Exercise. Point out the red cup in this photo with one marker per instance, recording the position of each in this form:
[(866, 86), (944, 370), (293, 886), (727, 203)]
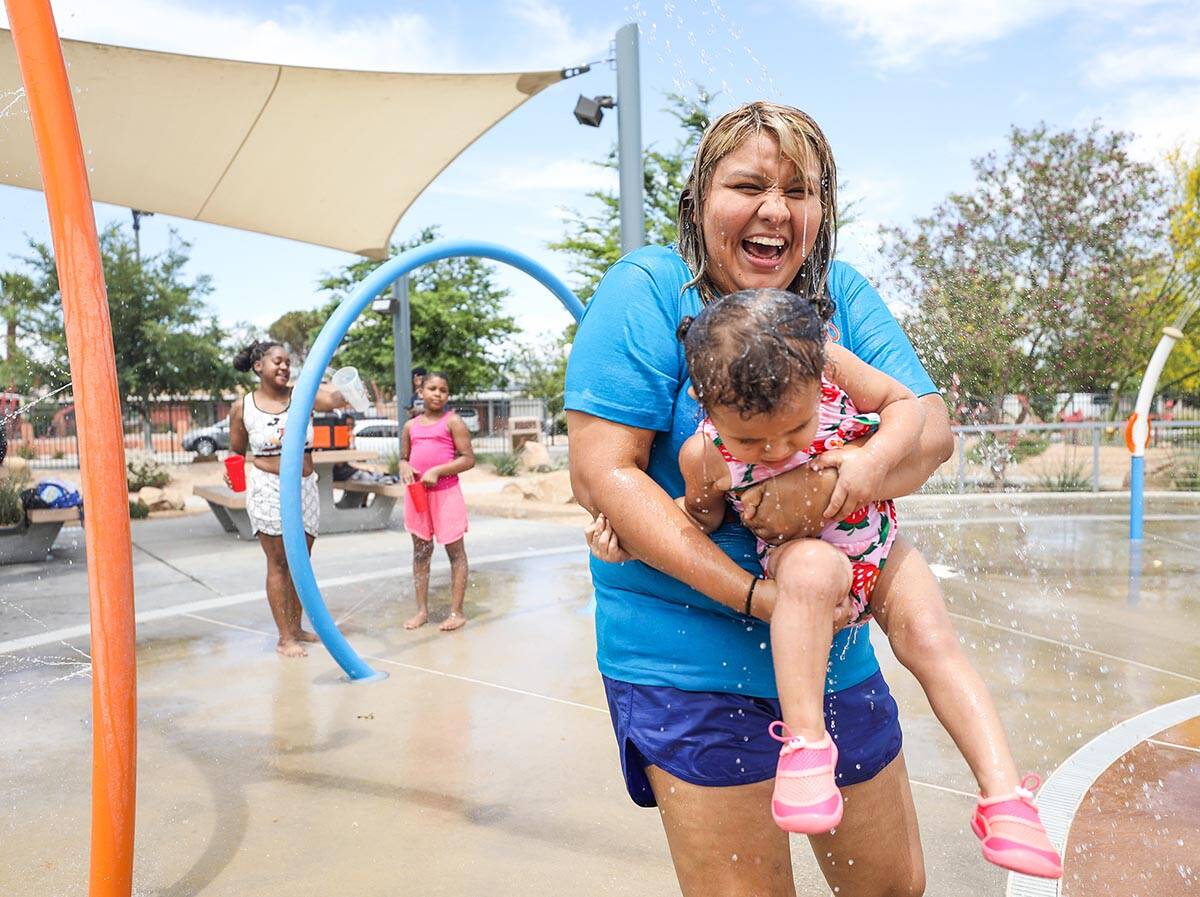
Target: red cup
[(416, 494), (235, 466)]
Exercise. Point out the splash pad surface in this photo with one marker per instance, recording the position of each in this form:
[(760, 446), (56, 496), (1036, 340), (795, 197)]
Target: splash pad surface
[(486, 760)]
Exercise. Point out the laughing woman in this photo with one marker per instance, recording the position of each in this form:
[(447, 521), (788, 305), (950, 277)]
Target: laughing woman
[(682, 634)]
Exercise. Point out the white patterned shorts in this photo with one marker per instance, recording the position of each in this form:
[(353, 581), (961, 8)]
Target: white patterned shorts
[(262, 502)]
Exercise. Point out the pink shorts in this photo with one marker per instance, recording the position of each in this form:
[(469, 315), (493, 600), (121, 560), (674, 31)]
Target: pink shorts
[(446, 519)]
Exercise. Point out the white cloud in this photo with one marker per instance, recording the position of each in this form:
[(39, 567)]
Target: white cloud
[(296, 36), (905, 31)]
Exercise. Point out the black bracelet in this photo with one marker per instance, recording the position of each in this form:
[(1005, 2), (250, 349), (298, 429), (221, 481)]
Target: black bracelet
[(750, 596)]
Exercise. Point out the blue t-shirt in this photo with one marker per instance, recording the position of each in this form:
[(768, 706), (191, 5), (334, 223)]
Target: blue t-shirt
[(627, 366)]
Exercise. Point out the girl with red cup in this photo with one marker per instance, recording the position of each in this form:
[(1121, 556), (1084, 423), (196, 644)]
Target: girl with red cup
[(435, 449)]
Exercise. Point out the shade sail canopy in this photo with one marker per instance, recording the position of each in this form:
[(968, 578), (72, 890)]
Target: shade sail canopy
[(324, 156)]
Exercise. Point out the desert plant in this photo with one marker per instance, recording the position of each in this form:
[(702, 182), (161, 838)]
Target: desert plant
[(25, 450), (1070, 477), (392, 462), (1183, 469), (12, 511), (505, 464), (144, 470), (138, 510)]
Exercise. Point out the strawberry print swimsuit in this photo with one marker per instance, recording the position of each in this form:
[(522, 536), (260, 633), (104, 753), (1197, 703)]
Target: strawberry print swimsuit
[(866, 536)]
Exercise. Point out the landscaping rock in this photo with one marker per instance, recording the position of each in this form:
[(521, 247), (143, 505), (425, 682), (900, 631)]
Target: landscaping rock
[(535, 456)]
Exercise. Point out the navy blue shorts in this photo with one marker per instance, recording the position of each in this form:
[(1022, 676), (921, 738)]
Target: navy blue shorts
[(709, 738)]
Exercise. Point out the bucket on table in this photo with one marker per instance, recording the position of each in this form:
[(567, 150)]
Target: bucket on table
[(349, 384), (416, 494), (235, 466)]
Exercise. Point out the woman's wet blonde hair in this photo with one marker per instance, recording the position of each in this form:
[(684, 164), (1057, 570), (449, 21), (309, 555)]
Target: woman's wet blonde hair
[(802, 142)]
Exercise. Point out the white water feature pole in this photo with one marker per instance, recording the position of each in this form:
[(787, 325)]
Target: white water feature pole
[(629, 139), (1137, 431)]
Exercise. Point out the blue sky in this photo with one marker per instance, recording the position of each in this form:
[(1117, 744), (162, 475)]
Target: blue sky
[(909, 91)]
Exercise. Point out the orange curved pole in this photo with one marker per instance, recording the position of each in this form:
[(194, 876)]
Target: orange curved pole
[(101, 443)]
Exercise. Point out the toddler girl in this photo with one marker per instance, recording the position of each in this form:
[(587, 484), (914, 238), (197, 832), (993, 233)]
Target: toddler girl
[(777, 396), (435, 448)]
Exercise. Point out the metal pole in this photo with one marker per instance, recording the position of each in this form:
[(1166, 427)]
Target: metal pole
[(1096, 458), (962, 464), (402, 354), (629, 139)]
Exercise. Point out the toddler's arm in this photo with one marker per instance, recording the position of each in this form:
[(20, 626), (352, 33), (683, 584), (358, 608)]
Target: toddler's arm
[(901, 417), (705, 480)]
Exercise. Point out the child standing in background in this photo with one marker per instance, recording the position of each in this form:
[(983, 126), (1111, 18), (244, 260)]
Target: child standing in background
[(435, 449)]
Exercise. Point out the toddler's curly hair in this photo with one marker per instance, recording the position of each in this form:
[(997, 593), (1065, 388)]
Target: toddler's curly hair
[(747, 350)]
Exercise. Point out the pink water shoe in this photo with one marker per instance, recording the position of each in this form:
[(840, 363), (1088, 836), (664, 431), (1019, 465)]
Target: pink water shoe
[(806, 799), (1013, 835)]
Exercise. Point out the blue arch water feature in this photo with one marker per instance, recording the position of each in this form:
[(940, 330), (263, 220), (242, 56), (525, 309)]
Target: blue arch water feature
[(305, 393)]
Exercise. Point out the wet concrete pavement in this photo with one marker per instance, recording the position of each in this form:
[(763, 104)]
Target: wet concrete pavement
[(485, 762)]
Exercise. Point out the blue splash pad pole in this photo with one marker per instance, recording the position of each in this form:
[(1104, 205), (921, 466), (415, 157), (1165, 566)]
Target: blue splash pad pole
[(305, 393)]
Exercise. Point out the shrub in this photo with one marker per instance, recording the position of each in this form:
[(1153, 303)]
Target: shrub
[(144, 470), (25, 450), (12, 511), (1069, 477), (1183, 469), (506, 464), (138, 510), (393, 464)]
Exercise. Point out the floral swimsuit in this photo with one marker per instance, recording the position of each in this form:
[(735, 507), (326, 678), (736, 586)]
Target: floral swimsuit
[(867, 535)]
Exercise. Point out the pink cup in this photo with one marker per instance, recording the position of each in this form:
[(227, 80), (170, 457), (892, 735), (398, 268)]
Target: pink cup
[(235, 466)]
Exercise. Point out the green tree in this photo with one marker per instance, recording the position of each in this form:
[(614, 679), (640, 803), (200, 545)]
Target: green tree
[(458, 325), (20, 305), (593, 242), (1182, 372), (296, 330), (538, 370), (167, 341), (1044, 277)]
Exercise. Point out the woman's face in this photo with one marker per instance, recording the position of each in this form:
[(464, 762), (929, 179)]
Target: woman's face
[(435, 393), (275, 367), (760, 218)]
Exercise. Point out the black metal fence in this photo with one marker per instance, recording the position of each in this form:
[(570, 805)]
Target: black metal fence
[(174, 431)]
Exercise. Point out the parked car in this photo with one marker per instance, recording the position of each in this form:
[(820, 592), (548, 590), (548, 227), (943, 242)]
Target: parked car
[(207, 440), (377, 434), (470, 417)]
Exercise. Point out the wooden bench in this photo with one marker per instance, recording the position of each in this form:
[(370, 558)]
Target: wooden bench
[(355, 511), (30, 543)]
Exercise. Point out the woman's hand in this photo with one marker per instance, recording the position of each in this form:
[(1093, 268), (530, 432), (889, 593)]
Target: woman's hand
[(860, 480), (788, 506), (430, 477), (228, 482), (602, 541), (406, 472)]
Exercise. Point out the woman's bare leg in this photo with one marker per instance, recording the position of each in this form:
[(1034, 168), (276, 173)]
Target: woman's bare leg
[(302, 634), (812, 577), (285, 607), (908, 605), (876, 850), (422, 556), (723, 841)]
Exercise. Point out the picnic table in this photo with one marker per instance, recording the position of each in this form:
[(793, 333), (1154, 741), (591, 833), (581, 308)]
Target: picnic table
[(362, 506)]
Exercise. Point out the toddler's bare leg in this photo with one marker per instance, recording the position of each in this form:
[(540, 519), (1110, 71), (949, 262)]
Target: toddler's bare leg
[(908, 605), (812, 576)]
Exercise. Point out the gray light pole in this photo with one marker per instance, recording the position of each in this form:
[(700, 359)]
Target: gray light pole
[(629, 139), (402, 340)]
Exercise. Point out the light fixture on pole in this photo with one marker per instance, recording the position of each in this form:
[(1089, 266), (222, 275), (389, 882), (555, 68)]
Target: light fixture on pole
[(590, 110)]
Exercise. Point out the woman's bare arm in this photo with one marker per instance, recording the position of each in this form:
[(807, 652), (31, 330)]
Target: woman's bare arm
[(239, 438), (791, 505), (328, 399), (608, 475)]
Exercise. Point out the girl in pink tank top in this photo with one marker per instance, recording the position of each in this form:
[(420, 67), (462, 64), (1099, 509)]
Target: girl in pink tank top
[(436, 448)]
